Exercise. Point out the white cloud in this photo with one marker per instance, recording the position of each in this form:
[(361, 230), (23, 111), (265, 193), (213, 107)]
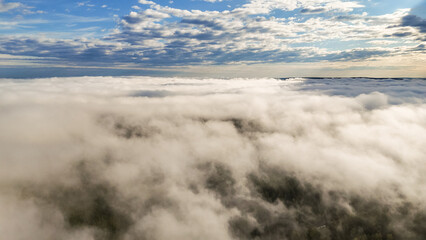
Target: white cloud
[(147, 2), (225, 36), (4, 7), (265, 6), (161, 158)]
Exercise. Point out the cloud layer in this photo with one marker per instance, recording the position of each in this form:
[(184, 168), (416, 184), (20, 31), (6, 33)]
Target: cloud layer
[(259, 31), (162, 158)]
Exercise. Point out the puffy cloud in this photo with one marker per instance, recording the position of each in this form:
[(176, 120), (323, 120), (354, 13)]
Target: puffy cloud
[(161, 158), (147, 2), (157, 35), (264, 6), (236, 36)]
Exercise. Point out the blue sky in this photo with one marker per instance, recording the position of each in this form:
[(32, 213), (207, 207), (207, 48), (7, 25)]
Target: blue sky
[(223, 38)]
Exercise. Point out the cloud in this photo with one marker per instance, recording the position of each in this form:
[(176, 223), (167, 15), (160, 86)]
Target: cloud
[(161, 158), (147, 52), (264, 7), (395, 91), (155, 35), (414, 21), (5, 7), (312, 11), (236, 36), (357, 54), (147, 2)]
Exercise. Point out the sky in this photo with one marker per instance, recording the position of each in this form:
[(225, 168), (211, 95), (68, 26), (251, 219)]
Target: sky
[(213, 38)]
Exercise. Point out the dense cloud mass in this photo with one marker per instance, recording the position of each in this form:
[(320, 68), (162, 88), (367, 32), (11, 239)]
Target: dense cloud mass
[(167, 158)]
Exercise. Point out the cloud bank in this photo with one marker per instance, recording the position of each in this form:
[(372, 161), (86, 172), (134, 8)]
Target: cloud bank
[(167, 158)]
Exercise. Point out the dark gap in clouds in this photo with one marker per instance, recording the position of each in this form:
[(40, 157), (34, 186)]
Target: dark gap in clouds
[(245, 127), (90, 203), (219, 179), (153, 93), (315, 214), (274, 185), (242, 228), (126, 128)]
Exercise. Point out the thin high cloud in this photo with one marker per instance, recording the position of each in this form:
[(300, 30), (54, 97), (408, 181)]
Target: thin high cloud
[(161, 158), (159, 35), (4, 7)]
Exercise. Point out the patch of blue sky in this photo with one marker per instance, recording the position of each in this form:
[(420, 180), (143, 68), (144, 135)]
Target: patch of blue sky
[(278, 13), (65, 16), (62, 23), (419, 10), (379, 7)]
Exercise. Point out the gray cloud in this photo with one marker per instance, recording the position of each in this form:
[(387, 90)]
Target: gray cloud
[(176, 52), (356, 54), (391, 90), (313, 11), (414, 21), (162, 158)]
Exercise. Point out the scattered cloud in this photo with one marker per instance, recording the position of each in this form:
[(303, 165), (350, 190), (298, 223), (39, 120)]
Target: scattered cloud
[(158, 35), (266, 6)]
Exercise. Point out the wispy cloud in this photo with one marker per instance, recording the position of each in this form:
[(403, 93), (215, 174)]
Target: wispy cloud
[(75, 18), (4, 7)]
